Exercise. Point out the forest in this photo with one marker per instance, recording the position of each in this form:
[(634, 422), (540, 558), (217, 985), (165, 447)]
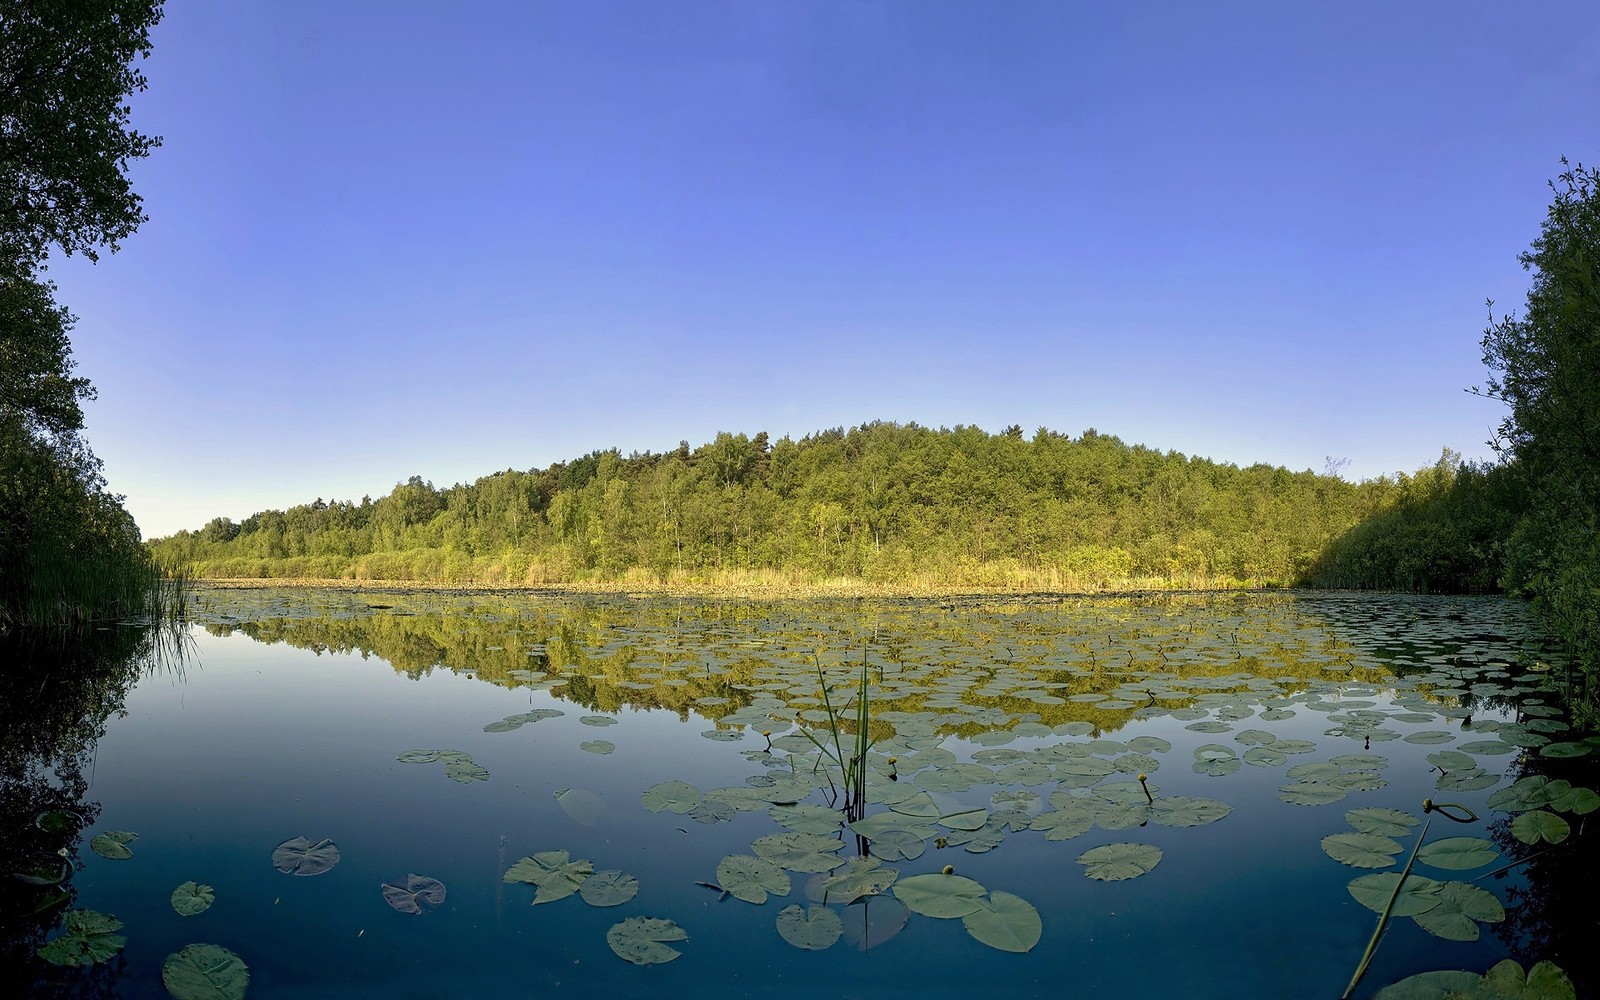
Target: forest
[(893, 506)]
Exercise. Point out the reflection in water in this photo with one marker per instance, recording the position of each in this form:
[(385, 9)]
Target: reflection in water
[(57, 692)]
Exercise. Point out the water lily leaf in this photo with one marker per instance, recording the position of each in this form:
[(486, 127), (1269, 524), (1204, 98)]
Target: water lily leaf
[(1265, 757), (1441, 985), (1527, 793), (301, 857), (464, 769), (1532, 827), (807, 818), (1419, 895), (582, 805), (673, 796), (939, 895), (639, 940), (1467, 781), (1459, 909), (1487, 747), (598, 720), (712, 811), (418, 757), (750, 879), (91, 937), (800, 852), (1311, 793), (1458, 853), (812, 927), (1358, 781), (1544, 981), (1066, 822), (1361, 850), (1115, 862), (1578, 801), (608, 888), (1004, 921), (189, 899), (597, 746), (861, 877), (205, 972), (413, 892), (1428, 736), (1383, 822), (878, 824), (552, 872), (1187, 810), (1320, 770), (113, 844)]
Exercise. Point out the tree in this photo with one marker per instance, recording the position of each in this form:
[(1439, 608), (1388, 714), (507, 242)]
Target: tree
[(66, 71), (1545, 366)]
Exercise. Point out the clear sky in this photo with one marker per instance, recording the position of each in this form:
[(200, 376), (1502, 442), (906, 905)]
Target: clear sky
[(445, 239)]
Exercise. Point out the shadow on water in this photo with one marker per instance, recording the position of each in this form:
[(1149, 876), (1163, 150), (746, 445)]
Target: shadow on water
[(57, 693)]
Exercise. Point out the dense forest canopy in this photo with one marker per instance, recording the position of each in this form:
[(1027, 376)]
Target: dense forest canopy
[(898, 505)]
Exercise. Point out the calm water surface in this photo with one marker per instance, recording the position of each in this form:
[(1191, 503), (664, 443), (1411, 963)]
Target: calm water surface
[(291, 710)]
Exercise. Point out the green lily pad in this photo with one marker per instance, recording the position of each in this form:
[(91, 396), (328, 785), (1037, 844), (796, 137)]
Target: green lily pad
[(640, 940), (598, 720), (1440, 985), (608, 888), (1419, 895), (552, 872), (189, 899), (1265, 757), (1539, 825), (113, 844), (418, 757), (300, 856), (940, 895), (1458, 853), (807, 818), (1460, 908), (1545, 981), (1311, 793), (205, 972), (597, 746), (860, 877), (1115, 862), (750, 879), (1575, 800), (1004, 921), (673, 796), (91, 937), (1361, 850), (1563, 750), (1064, 823), (799, 852), (1187, 810), (811, 927), (411, 894), (1527, 793)]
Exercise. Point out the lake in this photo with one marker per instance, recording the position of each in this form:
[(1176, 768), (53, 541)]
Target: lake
[(441, 795)]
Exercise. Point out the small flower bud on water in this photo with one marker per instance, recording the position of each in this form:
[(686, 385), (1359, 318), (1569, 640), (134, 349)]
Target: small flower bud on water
[(949, 869)]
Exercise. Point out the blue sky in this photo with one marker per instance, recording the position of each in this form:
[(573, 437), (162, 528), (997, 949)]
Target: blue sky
[(446, 239)]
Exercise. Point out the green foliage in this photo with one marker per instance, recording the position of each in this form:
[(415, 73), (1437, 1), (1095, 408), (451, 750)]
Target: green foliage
[(1545, 366)]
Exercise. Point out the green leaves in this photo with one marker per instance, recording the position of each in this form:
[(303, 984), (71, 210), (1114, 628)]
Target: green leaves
[(1361, 850), (939, 895), (1539, 825), (1116, 862), (811, 928), (608, 888), (1458, 853), (673, 796), (113, 844), (189, 899), (413, 893), (300, 856), (552, 872), (1004, 921), (750, 879), (641, 940), (205, 972), (90, 938)]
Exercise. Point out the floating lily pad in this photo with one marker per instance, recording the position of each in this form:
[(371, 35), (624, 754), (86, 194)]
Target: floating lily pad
[(750, 879), (608, 888), (1459, 909), (1458, 853), (418, 757), (1419, 895), (1311, 793), (1361, 850), (1006, 922), (640, 940), (205, 972), (673, 796), (597, 746), (189, 899), (1438, 985), (302, 857), (598, 720), (1064, 823), (1539, 825), (1383, 822), (940, 895), (113, 844), (1545, 981), (413, 893), (91, 937), (807, 818), (859, 877), (1116, 862), (811, 927), (1187, 810), (552, 872), (1575, 800), (800, 852)]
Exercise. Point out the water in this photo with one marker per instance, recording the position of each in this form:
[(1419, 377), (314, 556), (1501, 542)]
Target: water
[(288, 715)]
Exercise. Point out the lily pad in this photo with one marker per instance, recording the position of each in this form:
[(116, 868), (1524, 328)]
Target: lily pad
[(113, 844), (673, 796), (1116, 862), (205, 972), (1460, 908), (1539, 825), (860, 877), (302, 857), (750, 879), (1419, 894), (1004, 921), (1311, 793), (1440, 985), (189, 899), (1187, 810), (1458, 853), (555, 875), (807, 818), (640, 940), (412, 894), (1361, 850), (91, 937), (1064, 823), (597, 746), (940, 895), (608, 888), (800, 852), (1545, 981), (811, 927)]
